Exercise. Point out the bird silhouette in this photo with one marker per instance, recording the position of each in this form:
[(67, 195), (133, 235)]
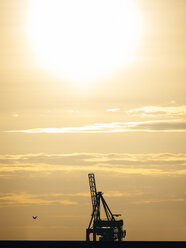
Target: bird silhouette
[(34, 217)]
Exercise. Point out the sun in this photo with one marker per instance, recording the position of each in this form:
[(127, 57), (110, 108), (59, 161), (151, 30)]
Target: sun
[(83, 40)]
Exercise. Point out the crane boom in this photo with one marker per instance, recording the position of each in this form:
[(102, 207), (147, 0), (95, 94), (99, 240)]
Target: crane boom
[(93, 192)]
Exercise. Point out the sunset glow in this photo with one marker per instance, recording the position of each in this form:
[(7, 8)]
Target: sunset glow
[(92, 86), (84, 40)]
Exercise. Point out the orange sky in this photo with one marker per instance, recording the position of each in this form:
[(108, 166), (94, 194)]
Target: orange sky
[(68, 109)]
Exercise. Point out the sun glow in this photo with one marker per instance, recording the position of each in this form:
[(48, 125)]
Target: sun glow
[(83, 40)]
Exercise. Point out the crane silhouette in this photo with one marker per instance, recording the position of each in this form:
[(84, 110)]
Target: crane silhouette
[(109, 228)]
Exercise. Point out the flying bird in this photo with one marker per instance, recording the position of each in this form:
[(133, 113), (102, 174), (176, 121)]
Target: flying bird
[(34, 217)]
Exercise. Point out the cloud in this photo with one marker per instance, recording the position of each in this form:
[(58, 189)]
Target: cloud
[(163, 119), (158, 200), (120, 194), (7, 199), (122, 163), (159, 111), (115, 127), (113, 110), (27, 199)]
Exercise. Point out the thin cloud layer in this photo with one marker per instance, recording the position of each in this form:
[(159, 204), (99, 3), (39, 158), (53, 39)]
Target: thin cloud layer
[(159, 111), (113, 110), (115, 127), (48, 199), (26, 199), (158, 200), (142, 164)]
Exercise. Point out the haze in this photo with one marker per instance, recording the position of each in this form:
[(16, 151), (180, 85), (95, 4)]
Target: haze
[(123, 119)]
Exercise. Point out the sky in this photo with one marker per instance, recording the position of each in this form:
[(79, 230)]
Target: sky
[(92, 87)]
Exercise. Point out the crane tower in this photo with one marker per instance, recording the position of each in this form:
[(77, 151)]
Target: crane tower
[(108, 229)]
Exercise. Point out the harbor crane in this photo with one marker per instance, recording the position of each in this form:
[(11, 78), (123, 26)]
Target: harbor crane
[(109, 228)]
